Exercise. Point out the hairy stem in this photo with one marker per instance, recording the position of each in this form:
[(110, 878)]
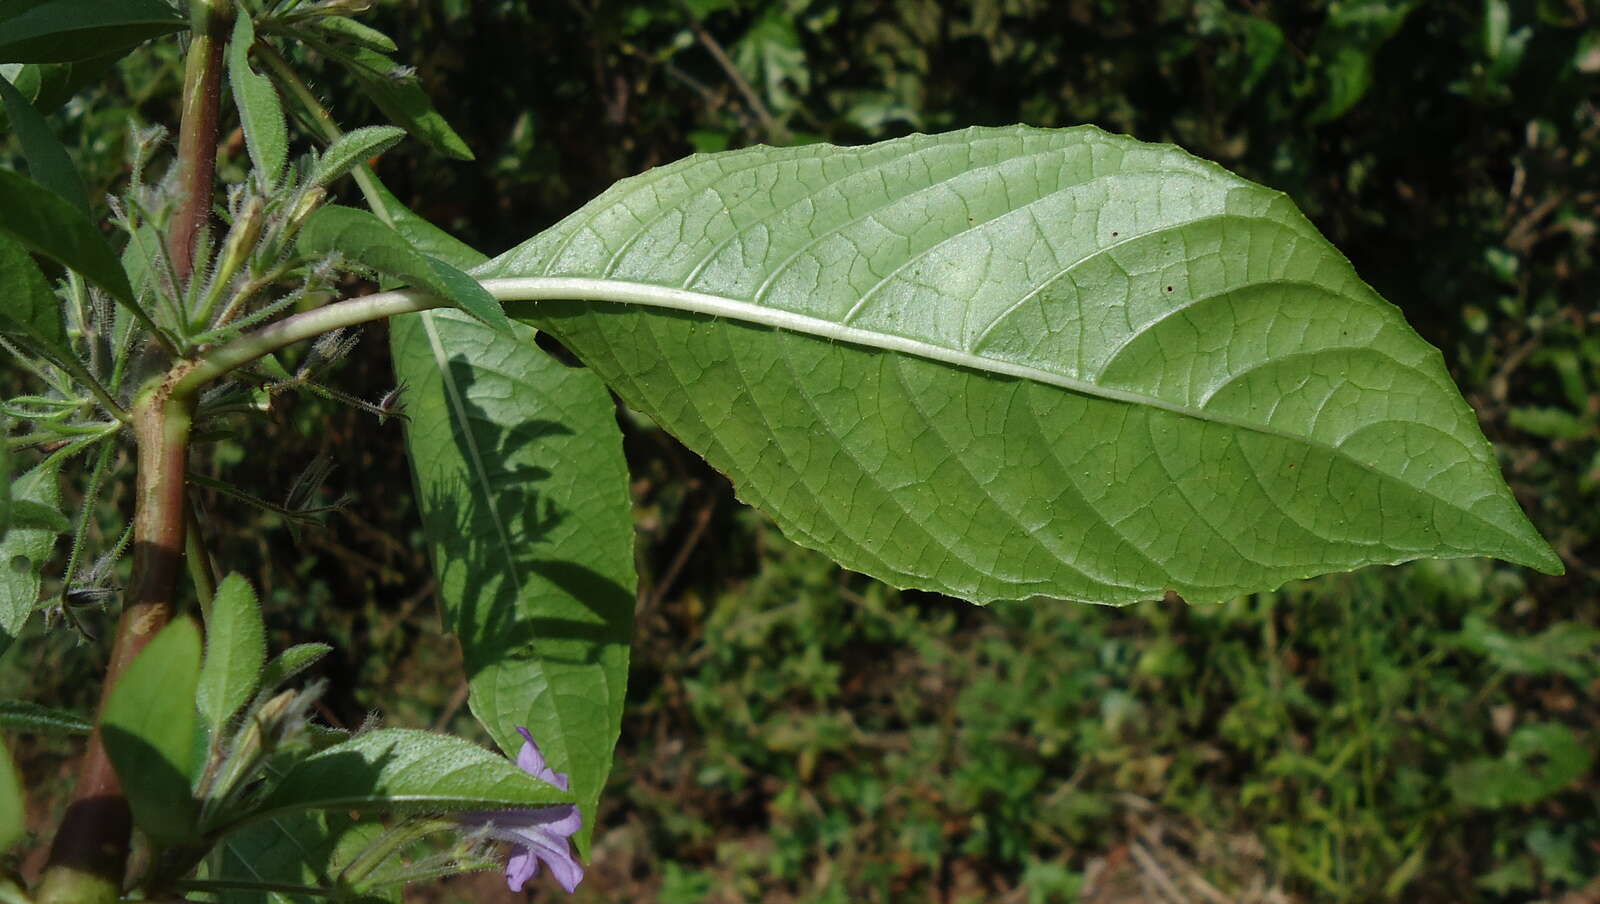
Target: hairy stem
[(210, 21), (90, 853)]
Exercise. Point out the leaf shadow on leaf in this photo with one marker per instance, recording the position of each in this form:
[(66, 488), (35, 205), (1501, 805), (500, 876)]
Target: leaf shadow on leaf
[(518, 596), (157, 789)]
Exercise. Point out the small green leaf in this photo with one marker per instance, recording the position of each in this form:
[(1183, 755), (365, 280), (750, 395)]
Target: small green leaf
[(353, 148), (426, 237), (306, 849), (48, 162), (469, 296), (266, 133), (290, 663), (149, 728), (1566, 647), (365, 239), (64, 30), (341, 28), (236, 650), (1540, 760), (13, 806), (31, 311), (38, 516), (403, 770), (20, 715), (24, 551), (48, 224), (400, 98)]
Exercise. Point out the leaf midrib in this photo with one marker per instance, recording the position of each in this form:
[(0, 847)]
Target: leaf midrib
[(507, 289)]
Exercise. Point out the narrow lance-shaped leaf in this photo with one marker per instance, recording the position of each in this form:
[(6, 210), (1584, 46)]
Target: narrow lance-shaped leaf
[(24, 551), (365, 239), (524, 495), (44, 222), (1015, 363), (405, 771), (351, 149), (266, 133), (398, 95), (148, 724), (48, 162), (236, 650), (20, 715), (63, 30)]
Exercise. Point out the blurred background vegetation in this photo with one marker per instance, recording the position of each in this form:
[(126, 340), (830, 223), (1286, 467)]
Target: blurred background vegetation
[(800, 734)]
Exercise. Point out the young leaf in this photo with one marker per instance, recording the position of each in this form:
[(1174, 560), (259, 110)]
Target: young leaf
[(1015, 363), (31, 310), (13, 806), (290, 663), (24, 551), (341, 28), (64, 30), (236, 650), (46, 223), (266, 133), (148, 724), (48, 162), (19, 715), (524, 496), (401, 770), (364, 238), (400, 98), (351, 149)]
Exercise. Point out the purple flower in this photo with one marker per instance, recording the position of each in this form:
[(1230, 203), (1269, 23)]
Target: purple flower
[(540, 832)]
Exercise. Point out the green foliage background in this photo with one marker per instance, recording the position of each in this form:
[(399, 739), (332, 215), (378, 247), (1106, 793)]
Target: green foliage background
[(796, 733)]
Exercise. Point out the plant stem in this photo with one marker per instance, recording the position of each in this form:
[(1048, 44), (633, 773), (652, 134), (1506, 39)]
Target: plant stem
[(89, 856), (210, 22)]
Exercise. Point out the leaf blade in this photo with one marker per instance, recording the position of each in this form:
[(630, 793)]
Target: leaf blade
[(24, 551), (47, 158), (266, 131), (1149, 303), (149, 729), (61, 31), (44, 222), (399, 770), (524, 498), (236, 652)]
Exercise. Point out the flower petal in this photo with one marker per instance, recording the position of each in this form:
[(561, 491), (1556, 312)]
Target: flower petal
[(531, 760)]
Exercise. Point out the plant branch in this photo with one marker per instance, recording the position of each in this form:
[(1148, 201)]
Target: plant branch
[(89, 856), (309, 325), (210, 22)]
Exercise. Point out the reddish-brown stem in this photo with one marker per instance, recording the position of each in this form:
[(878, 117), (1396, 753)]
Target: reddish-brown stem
[(89, 856), (91, 847), (210, 22)]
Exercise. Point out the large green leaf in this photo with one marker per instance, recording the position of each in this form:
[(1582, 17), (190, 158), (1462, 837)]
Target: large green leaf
[(402, 770), (1013, 363), (148, 725), (63, 30), (23, 553), (45, 222), (524, 495), (47, 158)]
